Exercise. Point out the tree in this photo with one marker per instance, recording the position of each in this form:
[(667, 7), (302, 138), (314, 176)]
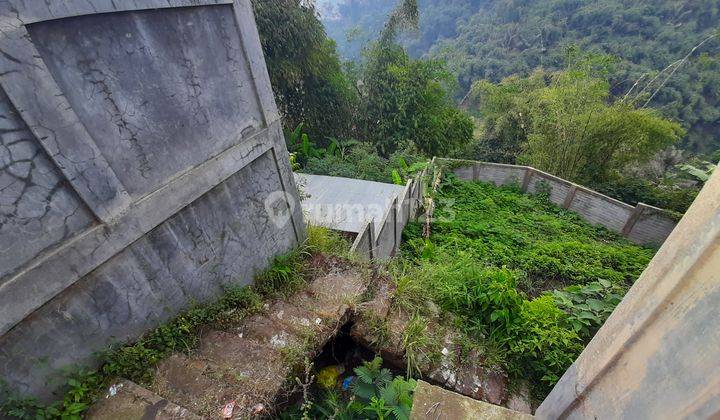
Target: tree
[(307, 78), (566, 123), (406, 102)]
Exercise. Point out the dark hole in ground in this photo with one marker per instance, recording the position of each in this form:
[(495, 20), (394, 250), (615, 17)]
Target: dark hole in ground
[(336, 359), (342, 351)]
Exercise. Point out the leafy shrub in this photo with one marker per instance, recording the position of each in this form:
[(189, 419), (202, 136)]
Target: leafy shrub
[(588, 306), (492, 250), (382, 394), (633, 190), (361, 161), (486, 294), (540, 343)]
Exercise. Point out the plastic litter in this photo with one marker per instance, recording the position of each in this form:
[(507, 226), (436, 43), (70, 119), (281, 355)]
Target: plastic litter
[(258, 409), (328, 376), (227, 411), (114, 390), (346, 382)]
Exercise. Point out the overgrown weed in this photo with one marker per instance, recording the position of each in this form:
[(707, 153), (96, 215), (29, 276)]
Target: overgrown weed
[(528, 283)]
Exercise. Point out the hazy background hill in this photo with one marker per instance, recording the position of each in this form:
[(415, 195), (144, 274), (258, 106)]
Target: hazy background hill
[(492, 39)]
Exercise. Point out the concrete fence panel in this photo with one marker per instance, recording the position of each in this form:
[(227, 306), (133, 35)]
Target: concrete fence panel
[(601, 210), (652, 225), (641, 224), (558, 188), (498, 174), (403, 210), (363, 244)]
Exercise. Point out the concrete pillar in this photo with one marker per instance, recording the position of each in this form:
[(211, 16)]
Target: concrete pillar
[(526, 179)]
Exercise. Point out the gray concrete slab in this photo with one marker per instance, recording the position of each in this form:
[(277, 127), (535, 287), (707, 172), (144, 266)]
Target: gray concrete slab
[(345, 204)]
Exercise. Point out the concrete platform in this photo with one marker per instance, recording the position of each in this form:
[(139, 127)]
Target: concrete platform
[(345, 204), (435, 403)]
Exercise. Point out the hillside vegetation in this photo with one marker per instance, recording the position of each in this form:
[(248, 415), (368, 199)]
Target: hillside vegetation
[(528, 283), (493, 39)]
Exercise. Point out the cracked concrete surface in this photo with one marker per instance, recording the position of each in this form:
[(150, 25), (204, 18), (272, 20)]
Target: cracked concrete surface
[(219, 240), (38, 209), (158, 90)]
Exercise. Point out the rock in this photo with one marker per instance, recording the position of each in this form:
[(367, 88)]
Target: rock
[(393, 351), (372, 314), (468, 375), (520, 400)]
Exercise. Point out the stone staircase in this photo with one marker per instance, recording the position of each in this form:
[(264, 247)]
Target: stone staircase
[(248, 365)]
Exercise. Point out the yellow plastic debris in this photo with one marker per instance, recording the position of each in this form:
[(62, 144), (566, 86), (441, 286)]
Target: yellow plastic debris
[(328, 376)]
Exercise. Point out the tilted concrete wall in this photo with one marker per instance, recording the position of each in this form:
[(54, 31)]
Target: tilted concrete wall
[(642, 224), (658, 354), (385, 242), (363, 244), (142, 168)]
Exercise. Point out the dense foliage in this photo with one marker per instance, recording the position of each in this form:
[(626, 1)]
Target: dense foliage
[(566, 123), (307, 78), (405, 103), (388, 100), (493, 39), (372, 393), (532, 280)]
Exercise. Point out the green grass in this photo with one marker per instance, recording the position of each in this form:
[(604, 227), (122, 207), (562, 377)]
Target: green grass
[(521, 276), (136, 361)]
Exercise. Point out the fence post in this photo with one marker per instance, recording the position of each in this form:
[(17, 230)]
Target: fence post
[(637, 212), (476, 171), (371, 226), (526, 179), (570, 196)]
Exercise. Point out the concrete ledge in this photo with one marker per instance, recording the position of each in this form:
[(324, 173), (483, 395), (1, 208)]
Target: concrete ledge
[(435, 403)]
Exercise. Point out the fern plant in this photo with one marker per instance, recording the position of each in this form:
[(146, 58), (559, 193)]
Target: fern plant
[(382, 395), (371, 376)]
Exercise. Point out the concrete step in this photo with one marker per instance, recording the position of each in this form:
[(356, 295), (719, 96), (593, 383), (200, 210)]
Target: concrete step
[(249, 364), (435, 403), (127, 400), (332, 296), (262, 369), (199, 385)]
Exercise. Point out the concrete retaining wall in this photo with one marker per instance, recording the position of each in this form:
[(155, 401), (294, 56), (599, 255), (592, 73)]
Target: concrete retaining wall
[(642, 224), (142, 168)]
